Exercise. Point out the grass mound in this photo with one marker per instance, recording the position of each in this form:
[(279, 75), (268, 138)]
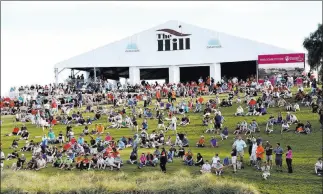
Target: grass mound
[(98, 182)]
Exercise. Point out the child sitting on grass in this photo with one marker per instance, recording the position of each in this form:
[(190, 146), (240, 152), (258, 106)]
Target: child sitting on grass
[(265, 170)]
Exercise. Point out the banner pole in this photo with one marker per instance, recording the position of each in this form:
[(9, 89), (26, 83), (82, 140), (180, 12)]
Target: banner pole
[(257, 71)]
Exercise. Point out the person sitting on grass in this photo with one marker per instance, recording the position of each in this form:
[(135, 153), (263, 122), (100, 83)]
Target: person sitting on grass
[(188, 158), (154, 161), (201, 142), (318, 167), (237, 130), (269, 126), (279, 119), (218, 168), (300, 128), (250, 129), (239, 111), (132, 158), (109, 162), (308, 127), (215, 159), (181, 152), (86, 130), (199, 160), (213, 142), (67, 163), (144, 125), (285, 127), (15, 131), (121, 145), (185, 142), (224, 134), (24, 135), (206, 167), (265, 170), (185, 121), (142, 161), (14, 144), (291, 118), (58, 162)]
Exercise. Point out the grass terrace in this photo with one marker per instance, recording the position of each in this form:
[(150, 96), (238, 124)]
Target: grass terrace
[(179, 178)]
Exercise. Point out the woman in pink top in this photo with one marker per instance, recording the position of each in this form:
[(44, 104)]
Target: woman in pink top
[(289, 156), (142, 160)]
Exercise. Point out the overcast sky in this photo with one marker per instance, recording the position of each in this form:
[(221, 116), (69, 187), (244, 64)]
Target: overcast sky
[(36, 35)]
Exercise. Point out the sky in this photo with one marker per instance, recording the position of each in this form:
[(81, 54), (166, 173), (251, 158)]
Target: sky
[(37, 35)]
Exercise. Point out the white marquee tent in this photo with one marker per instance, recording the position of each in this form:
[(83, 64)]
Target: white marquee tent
[(147, 50)]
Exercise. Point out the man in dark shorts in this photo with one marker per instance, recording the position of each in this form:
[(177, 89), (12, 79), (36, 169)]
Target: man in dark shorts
[(279, 157), (269, 154), (217, 123)]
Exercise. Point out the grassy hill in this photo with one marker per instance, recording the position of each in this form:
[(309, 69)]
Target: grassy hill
[(179, 178)]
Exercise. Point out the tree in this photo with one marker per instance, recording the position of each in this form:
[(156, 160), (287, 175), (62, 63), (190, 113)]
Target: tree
[(314, 46)]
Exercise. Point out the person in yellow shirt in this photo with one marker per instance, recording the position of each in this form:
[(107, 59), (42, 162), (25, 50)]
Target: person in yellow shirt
[(100, 128), (79, 160), (173, 96)]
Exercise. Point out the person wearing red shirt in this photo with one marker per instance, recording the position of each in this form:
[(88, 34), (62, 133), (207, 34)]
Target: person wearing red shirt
[(15, 131), (158, 95), (85, 164)]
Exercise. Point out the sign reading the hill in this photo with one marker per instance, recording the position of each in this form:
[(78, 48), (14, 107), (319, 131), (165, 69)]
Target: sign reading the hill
[(171, 40)]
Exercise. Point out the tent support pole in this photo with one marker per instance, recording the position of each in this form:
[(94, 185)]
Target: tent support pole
[(56, 76), (94, 74)]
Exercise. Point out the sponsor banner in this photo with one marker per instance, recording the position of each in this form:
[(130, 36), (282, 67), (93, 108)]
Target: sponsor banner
[(281, 66), (281, 58)]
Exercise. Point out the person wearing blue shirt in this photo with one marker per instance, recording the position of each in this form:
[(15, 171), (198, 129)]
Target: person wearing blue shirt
[(51, 136), (97, 139), (80, 140), (225, 133), (121, 145), (240, 145), (217, 123)]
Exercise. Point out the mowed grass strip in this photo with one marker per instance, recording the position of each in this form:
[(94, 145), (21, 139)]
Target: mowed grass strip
[(306, 150)]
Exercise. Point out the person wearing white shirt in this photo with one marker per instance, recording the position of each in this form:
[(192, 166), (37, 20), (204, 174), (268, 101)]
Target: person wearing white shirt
[(234, 80), (109, 161), (318, 167), (2, 158), (200, 80), (253, 157), (215, 159), (239, 111), (206, 167), (285, 127), (174, 120)]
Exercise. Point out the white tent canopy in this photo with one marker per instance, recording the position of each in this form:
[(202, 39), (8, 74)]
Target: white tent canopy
[(228, 49)]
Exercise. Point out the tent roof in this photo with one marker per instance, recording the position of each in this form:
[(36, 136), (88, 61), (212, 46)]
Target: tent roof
[(231, 49)]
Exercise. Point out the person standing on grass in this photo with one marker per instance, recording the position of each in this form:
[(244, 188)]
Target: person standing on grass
[(289, 157), (163, 160), (260, 155), (240, 145), (161, 121), (321, 117), (279, 158), (269, 154), (319, 167), (234, 159)]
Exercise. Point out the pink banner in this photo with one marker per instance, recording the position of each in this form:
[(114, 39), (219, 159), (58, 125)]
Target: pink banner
[(281, 58)]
